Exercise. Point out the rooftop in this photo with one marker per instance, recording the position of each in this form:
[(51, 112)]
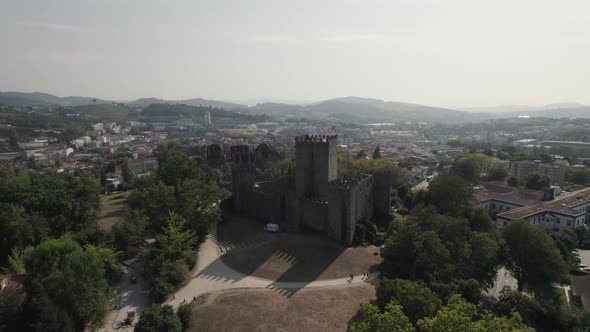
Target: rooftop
[(562, 205)]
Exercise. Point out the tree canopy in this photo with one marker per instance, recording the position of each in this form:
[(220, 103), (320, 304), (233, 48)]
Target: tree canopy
[(377, 153), (470, 165), (456, 315), (450, 193), (34, 206), (441, 251), (417, 301), (70, 285), (158, 318), (460, 315), (533, 257), (537, 181), (391, 319)]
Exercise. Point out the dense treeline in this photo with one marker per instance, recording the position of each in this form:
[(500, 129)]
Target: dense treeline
[(48, 233), (37, 123), (36, 206), (446, 251), (181, 206), (196, 112), (69, 286)]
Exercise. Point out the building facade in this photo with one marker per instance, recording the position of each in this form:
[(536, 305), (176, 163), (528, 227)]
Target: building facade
[(540, 208), (555, 172)]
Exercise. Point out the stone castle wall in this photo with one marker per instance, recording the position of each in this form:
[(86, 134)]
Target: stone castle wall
[(313, 197)]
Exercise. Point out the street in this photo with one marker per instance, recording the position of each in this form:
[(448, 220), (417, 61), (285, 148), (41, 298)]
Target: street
[(503, 279), (424, 184)]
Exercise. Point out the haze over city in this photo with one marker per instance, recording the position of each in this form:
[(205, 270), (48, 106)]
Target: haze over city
[(453, 54), (313, 165)]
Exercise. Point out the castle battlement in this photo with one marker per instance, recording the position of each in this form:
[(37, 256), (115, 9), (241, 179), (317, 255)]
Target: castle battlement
[(244, 166), (304, 139), (347, 182), (315, 200), (311, 197)]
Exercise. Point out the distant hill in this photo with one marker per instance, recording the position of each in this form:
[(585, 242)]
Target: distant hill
[(44, 99), (347, 109), (106, 112), (364, 110), (521, 108), (562, 112), (143, 102)]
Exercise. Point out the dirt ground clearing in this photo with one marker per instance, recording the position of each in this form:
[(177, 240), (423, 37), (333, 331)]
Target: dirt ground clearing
[(310, 309), (286, 257)]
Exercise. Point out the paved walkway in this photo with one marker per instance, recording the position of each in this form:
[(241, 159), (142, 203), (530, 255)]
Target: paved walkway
[(211, 274), (128, 297)]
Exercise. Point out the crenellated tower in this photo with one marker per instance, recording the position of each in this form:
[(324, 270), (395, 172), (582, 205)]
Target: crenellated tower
[(315, 164)]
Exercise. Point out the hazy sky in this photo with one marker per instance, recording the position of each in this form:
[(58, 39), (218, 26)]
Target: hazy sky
[(450, 53)]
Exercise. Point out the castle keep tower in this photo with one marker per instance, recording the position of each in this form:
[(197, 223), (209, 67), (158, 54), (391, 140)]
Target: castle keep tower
[(313, 198), (315, 165)]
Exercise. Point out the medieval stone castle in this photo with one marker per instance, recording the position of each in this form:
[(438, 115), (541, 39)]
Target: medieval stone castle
[(311, 196)]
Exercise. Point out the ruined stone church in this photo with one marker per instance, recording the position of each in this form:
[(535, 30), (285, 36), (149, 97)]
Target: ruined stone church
[(312, 196)]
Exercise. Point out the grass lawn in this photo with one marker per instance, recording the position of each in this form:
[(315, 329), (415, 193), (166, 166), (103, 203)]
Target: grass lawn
[(113, 209)]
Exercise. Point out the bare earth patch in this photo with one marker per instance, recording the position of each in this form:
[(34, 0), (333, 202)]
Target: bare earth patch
[(314, 309)]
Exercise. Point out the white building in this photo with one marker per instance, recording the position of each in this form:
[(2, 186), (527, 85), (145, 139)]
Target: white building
[(539, 208)]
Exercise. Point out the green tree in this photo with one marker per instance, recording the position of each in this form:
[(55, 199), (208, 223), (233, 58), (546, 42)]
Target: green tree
[(392, 319), (498, 173), (69, 284), (470, 166), (129, 235), (127, 173), (512, 301), (374, 166), (512, 181), (184, 314), (450, 193), (441, 251), (417, 301), (537, 181), (361, 154), (377, 153), (17, 229), (503, 155), (198, 203), (342, 160), (176, 238), (172, 256), (578, 176), (157, 201), (460, 315), (158, 318), (480, 221), (533, 257), (174, 165)]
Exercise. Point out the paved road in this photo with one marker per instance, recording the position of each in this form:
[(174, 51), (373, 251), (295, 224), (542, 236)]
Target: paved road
[(424, 184), (503, 279), (584, 257), (211, 274), (129, 297)]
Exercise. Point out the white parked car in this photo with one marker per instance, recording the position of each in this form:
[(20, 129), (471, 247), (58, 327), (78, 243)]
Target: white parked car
[(273, 228)]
